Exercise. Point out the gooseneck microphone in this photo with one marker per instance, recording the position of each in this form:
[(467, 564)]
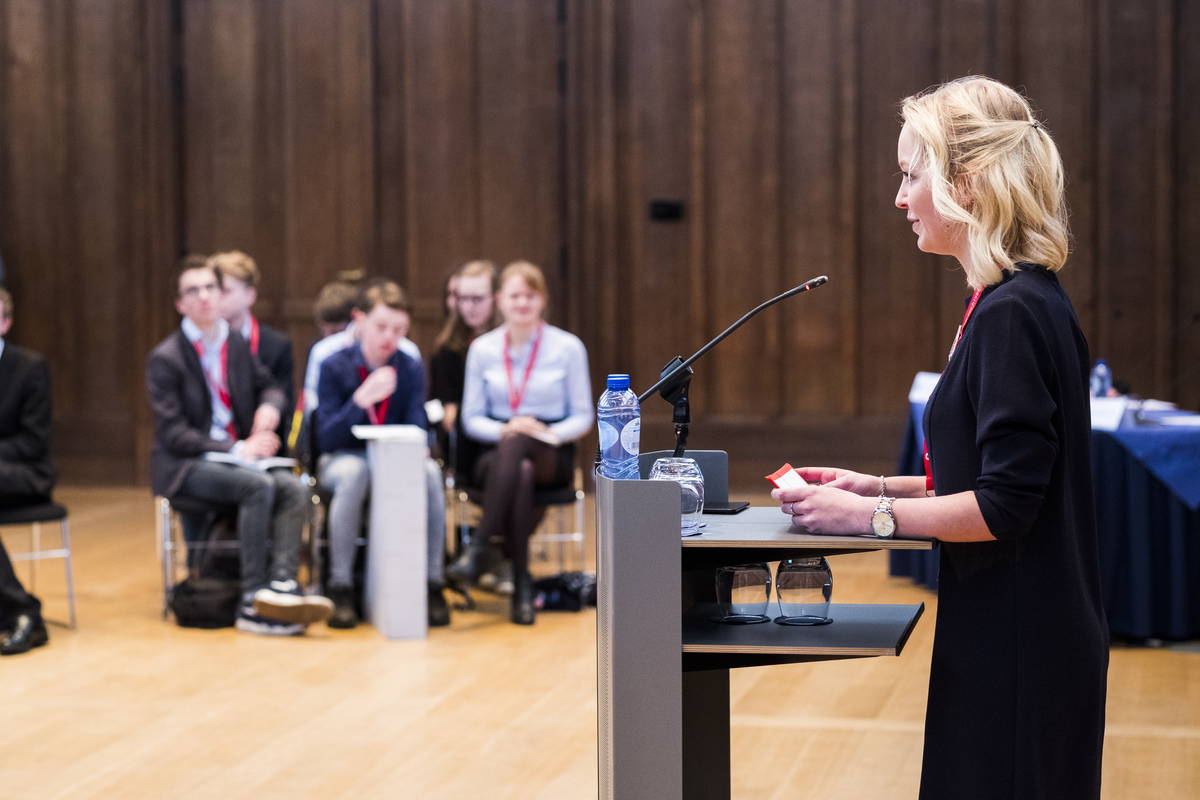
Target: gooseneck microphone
[(676, 376), (673, 370)]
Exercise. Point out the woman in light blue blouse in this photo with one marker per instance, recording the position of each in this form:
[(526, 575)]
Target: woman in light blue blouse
[(528, 398)]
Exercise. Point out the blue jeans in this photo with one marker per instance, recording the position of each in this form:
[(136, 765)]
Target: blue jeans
[(346, 474), (270, 519)]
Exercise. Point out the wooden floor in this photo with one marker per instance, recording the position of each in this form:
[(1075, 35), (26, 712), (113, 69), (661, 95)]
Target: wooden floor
[(130, 706)]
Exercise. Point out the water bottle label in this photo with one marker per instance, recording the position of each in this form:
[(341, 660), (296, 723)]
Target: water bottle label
[(608, 435), (631, 436)]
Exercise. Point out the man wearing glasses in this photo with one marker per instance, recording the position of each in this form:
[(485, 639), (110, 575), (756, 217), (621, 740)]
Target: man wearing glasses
[(209, 395)]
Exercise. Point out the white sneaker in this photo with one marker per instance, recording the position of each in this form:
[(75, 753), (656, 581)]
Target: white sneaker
[(250, 622), (285, 601)]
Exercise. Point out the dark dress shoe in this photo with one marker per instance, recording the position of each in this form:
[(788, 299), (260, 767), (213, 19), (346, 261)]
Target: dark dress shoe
[(523, 611), (439, 612), (344, 616), (28, 633)]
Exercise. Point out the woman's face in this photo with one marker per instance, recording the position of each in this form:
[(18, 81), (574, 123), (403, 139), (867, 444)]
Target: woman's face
[(519, 303), (474, 299), (935, 234)]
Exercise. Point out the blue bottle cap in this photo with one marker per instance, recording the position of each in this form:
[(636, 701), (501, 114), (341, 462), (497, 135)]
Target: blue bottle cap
[(618, 382)]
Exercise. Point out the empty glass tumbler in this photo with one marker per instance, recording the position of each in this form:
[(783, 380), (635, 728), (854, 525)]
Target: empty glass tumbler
[(686, 473), (804, 587), (743, 593)]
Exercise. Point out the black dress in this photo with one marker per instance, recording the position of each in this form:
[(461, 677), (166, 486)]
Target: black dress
[(1020, 656), (447, 374)]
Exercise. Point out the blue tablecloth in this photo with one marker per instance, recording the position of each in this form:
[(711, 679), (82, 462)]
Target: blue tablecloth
[(1147, 484)]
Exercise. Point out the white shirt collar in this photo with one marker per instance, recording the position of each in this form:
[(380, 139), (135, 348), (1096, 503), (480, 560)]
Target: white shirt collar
[(192, 331)]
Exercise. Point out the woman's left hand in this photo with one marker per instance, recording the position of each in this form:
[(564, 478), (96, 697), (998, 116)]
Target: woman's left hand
[(824, 509)]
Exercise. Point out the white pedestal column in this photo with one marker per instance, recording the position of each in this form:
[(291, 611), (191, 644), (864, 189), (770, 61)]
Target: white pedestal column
[(395, 593)]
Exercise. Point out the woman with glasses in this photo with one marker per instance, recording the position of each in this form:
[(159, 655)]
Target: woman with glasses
[(473, 313), (527, 398)]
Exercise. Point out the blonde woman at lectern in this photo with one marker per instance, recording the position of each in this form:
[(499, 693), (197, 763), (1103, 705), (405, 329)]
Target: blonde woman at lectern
[(1020, 655)]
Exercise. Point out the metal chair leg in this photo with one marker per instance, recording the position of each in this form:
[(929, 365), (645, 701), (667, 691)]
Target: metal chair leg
[(66, 546)]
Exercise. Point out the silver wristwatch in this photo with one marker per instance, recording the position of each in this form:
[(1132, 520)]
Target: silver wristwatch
[(883, 522)]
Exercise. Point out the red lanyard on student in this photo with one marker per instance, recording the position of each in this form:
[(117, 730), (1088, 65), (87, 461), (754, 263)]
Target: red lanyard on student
[(378, 413), (515, 395), (957, 337), (253, 336), (219, 388)]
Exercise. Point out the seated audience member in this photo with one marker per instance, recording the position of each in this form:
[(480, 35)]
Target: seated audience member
[(26, 474), (372, 382), (239, 292), (474, 314), (527, 394), (340, 340), (334, 307), (208, 394)]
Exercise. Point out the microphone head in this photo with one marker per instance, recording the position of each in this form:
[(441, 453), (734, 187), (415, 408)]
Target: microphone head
[(815, 282)]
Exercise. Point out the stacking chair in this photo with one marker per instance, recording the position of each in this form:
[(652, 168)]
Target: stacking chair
[(175, 551), (34, 516), (562, 499)]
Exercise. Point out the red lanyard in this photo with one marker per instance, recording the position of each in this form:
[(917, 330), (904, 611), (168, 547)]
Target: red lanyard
[(970, 308), (515, 395), (957, 337), (221, 387), (378, 413), (253, 336)]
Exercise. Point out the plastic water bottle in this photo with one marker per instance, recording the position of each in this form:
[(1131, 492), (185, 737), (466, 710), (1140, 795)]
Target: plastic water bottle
[(1101, 380), (620, 420)]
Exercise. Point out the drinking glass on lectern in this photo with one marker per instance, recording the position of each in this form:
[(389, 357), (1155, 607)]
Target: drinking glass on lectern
[(804, 587), (686, 472), (743, 593)]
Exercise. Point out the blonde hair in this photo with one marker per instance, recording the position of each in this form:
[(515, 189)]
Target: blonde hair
[(530, 273), (994, 168), (237, 265)]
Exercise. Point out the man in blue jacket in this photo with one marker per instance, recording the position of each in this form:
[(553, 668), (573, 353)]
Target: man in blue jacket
[(372, 382)]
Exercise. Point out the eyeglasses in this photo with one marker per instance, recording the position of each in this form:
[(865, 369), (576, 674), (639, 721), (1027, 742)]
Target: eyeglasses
[(471, 299), (194, 291)]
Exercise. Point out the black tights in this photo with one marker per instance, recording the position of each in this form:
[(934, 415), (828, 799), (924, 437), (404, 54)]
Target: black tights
[(508, 474)]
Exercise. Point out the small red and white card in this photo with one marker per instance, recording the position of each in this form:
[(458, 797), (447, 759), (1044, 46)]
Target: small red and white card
[(786, 477)]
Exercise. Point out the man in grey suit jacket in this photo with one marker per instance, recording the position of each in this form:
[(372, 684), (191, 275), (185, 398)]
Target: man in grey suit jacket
[(26, 474), (209, 395)]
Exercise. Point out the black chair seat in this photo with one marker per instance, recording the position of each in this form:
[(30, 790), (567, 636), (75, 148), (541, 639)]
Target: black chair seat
[(192, 505), (27, 515)]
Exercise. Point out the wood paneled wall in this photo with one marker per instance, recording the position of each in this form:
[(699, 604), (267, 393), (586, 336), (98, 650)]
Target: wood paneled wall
[(402, 136)]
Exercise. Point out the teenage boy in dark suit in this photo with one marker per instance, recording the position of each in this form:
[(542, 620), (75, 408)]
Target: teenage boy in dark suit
[(209, 394), (26, 474), (239, 292)]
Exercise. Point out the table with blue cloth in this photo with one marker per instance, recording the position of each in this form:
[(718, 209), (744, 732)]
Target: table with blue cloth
[(1146, 475)]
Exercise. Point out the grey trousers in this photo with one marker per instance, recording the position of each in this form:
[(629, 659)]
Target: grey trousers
[(346, 474), (270, 518)]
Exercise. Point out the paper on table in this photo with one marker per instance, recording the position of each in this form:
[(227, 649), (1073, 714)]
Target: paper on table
[(1107, 413), (1181, 420)]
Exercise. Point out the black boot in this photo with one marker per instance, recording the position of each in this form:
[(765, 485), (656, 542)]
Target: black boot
[(436, 608), (523, 611), (474, 561), (344, 616)]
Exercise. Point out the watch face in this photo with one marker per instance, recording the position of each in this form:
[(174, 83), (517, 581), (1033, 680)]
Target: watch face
[(883, 524)]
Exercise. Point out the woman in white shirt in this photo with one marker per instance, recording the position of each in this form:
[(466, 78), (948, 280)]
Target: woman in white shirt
[(527, 397)]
